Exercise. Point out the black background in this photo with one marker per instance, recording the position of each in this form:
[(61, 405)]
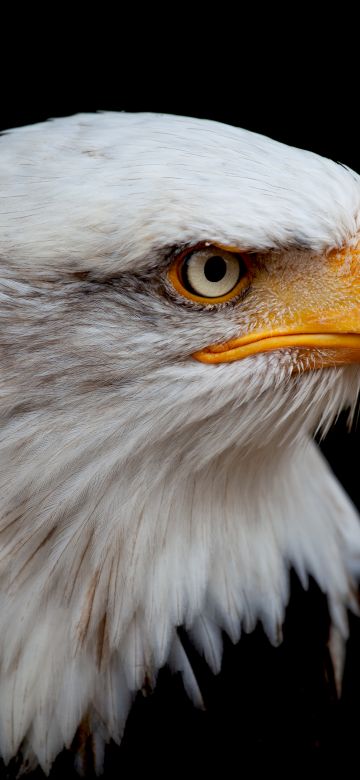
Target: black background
[(269, 706)]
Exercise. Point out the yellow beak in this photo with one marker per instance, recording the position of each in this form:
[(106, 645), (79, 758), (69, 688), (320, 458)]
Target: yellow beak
[(309, 305)]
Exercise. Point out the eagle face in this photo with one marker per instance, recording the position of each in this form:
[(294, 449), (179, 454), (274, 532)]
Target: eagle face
[(180, 312)]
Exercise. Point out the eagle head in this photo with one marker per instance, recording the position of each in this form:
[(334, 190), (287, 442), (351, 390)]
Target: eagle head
[(179, 305)]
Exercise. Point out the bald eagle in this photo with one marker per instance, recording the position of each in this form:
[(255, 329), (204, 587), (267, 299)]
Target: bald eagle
[(179, 305)]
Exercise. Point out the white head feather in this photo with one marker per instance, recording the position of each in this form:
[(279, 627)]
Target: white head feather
[(142, 490)]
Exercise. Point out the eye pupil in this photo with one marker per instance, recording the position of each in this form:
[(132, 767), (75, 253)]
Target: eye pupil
[(215, 268)]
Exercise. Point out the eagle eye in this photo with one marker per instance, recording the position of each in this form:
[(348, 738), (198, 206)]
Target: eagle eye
[(209, 274)]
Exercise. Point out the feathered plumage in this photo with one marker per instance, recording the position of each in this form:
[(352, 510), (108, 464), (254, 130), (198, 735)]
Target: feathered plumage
[(141, 489)]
